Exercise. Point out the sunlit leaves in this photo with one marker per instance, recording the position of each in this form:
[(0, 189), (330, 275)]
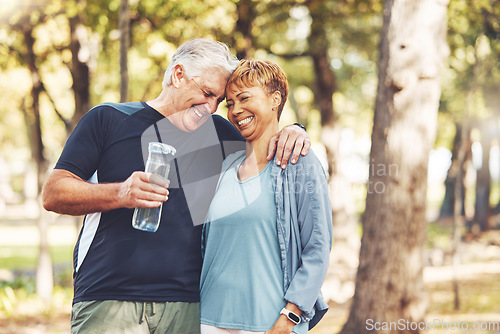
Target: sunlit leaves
[(474, 38), (279, 30)]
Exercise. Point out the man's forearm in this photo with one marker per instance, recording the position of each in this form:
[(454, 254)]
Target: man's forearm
[(68, 194), (65, 193)]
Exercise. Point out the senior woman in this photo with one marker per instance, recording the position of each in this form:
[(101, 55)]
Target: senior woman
[(268, 234)]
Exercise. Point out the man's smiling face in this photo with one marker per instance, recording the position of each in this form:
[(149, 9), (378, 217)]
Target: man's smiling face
[(198, 98)]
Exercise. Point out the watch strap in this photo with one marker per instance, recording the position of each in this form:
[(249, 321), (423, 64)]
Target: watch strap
[(300, 126), (291, 316)]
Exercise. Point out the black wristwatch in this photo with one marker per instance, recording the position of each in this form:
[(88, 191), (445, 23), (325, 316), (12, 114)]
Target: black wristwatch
[(291, 316), (300, 126)]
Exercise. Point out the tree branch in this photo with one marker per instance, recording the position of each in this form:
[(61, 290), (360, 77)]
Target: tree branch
[(66, 122)]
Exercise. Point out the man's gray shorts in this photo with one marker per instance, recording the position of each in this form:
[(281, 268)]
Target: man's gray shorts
[(112, 316)]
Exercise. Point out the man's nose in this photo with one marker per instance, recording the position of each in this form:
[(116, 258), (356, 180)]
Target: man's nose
[(212, 105)]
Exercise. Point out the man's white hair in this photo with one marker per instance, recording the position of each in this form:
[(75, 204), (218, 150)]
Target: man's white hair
[(198, 55)]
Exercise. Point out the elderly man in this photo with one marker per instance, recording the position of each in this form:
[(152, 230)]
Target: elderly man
[(130, 281)]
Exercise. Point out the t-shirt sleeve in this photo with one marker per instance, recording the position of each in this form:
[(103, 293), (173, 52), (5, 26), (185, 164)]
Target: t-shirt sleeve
[(82, 152)]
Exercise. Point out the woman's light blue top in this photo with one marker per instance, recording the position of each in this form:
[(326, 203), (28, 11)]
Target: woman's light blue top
[(242, 278)]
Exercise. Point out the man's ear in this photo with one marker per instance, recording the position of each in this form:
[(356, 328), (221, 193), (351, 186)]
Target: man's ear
[(276, 99), (177, 75)]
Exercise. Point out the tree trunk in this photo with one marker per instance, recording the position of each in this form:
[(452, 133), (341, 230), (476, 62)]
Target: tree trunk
[(37, 147), (462, 149), (492, 102), (346, 247), (242, 40), (456, 168), (389, 283), (44, 274), (482, 210), (79, 68), (124, 46)]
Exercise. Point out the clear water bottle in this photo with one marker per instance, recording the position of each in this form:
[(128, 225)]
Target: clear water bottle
[(158, 164)]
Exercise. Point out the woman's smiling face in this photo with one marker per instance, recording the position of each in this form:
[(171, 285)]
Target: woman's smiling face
[(250, 110)]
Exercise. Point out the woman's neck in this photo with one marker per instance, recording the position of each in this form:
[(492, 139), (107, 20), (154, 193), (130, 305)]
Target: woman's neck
[(256, 157), (256, 150)]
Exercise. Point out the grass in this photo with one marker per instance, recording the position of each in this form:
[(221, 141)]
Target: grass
[(20, 307), (477, 296), (25, 257), (439, 235), (480, 303)]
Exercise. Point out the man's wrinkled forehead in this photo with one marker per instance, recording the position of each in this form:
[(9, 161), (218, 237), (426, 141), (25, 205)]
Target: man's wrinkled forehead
[(214, 81)]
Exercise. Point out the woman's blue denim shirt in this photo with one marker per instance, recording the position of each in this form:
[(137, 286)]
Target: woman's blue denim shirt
[(304, 224)]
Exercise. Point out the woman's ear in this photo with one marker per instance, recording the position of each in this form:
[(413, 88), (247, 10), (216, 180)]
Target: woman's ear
[(177, 75)]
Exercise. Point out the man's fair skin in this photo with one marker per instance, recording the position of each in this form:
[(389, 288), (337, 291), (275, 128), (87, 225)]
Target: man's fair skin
[(187, 103)]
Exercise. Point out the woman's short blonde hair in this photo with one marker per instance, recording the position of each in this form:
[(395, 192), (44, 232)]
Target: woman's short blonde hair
[(263, 73)]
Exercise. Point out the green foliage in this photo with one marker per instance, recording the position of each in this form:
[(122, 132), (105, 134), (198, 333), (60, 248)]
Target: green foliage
[(474, 40), (22, 282), (13, 137), (472, 80), (439, 235), (11, 292), (278, 30), (18, 300), (7, 300)]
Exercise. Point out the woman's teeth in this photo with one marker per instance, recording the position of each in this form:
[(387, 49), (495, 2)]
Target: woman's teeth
[(245, 121)]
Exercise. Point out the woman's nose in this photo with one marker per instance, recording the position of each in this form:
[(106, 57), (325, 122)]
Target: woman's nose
[(236, 110)]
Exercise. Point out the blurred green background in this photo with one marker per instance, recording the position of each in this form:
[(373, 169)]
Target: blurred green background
[(59, 58)]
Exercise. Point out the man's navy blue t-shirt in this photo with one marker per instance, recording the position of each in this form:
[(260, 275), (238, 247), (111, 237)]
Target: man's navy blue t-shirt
[(114, 261)]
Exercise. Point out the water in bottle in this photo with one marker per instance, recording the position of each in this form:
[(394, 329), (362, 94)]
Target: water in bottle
[(158, 164)]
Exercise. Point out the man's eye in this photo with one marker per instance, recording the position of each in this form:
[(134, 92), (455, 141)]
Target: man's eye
[(229, 105), (244, 98)]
